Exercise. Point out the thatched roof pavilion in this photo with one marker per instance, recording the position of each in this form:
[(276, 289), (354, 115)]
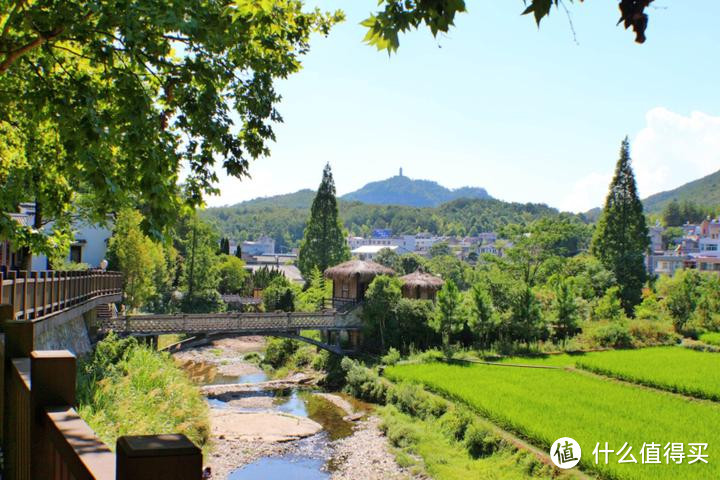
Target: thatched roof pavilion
[(421, 285), (361, 269), (351, 279)]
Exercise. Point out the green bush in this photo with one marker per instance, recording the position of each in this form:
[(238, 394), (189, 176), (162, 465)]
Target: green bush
[(711, 338), (391, 358), (455, 422), (252, 357), (279, 351), (363, 383), (480, 442), (647, 333), (412, 399), (613, 335)]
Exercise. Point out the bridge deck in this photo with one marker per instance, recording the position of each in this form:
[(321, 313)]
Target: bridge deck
[(242, 323)]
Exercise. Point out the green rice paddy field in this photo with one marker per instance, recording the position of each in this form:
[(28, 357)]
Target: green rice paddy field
[(675, 369), (545, 404)]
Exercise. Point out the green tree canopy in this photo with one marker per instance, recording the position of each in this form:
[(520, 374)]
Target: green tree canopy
[(448, 317), (139, 258), (233, 276), (103, 101), (621, 236), (323, 243)]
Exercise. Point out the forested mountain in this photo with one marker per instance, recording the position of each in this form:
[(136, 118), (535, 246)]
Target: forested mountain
[(703, 191), (401, 190), (285, 223)]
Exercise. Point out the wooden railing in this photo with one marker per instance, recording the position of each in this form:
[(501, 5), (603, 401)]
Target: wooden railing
[(47, 439), (34, 295)]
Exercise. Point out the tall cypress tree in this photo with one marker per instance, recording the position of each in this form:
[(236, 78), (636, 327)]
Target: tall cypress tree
[(621, 236), (323, 243)]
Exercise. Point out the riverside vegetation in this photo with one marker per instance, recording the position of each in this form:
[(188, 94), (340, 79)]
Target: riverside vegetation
[(125, 388)]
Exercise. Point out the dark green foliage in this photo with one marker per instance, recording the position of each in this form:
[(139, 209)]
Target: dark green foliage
[(484, 320), (323, 242), (683, 297), (448, 318), (411, 262), (390, 259), (380, 312), (480, 442), (363, 383), (279, 295), (262, 277), (565, 313), (205, 301), (278, 351), (613, 335), (413, 325), (456, 421), (676, 214), (225, 246), (621, 236)]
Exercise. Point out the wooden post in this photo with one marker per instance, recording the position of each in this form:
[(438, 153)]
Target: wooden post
[(157, 457), (52, 373), (19, 335)]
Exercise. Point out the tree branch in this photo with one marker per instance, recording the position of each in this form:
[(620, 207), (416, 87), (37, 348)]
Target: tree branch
[(12, 56)]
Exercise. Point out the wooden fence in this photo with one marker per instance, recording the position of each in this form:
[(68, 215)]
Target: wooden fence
[(34, 295), (42, 435), (48, 440)]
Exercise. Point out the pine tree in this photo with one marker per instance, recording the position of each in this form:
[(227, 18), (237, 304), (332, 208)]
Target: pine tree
[(621, 236), (323, 243)]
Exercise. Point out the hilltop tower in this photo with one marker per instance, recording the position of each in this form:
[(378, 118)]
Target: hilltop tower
[(400, 174)]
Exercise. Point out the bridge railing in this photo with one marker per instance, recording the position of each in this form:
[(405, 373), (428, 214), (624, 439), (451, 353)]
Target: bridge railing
[(38, 294), (227, 322), (47, 439)]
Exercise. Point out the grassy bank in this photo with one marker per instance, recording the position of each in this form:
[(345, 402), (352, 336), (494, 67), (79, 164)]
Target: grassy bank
[(129, 389), (438, 437)]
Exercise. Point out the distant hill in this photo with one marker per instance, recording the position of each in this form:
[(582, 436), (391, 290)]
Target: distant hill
[(286, 223), (402, 190), (704, 191), (300, 199)]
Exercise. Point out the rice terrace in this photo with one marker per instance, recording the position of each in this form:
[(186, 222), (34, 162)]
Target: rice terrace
[(542, 404)]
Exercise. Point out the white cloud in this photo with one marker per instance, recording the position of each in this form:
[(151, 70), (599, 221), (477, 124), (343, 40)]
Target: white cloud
[(671, 150), (674, 149), (586, 193)]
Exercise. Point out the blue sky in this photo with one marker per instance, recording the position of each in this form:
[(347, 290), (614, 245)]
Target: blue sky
[(531, 115)]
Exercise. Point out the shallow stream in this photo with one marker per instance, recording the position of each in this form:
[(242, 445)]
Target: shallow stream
[(311, 457)]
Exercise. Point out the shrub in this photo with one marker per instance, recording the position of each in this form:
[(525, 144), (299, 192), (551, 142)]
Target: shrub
[(480, 442), (391, 358), (650, 333), (613, 335), (364, 383), (712, 338), (455, 422), (252, 357), (278, 351), (413, 400)]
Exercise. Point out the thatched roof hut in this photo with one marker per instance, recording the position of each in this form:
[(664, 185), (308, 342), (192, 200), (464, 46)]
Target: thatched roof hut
[(362, 270), (351, 279), (421, 285)]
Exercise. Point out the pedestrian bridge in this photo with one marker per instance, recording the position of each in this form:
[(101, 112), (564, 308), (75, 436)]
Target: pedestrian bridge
[(330, 323)]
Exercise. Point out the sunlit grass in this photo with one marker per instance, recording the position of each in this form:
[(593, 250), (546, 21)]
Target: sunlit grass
[(675, 369), (546, 404)]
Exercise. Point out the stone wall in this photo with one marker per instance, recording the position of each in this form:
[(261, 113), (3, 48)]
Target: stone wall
[(70, 334)]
